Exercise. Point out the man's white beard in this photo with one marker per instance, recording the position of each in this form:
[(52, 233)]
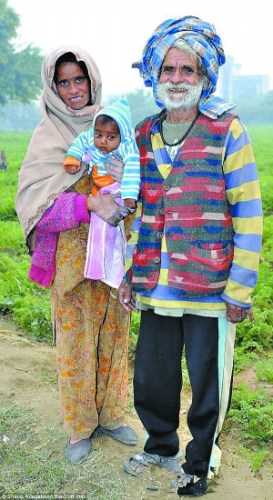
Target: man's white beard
[(184, 101)]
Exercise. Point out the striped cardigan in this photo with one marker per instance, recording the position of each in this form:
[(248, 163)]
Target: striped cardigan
[(193, 221)]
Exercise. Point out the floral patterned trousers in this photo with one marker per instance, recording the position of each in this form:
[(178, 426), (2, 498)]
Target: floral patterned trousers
[(92, 358)]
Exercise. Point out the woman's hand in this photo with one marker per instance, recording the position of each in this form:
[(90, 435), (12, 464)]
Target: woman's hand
[(115, 168), (126, 297), (237, 314), (107, 209)]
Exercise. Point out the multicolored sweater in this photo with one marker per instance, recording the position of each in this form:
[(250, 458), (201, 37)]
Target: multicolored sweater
[(200, 228)]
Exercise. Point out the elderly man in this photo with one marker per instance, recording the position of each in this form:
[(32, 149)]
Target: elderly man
[(196, 259)]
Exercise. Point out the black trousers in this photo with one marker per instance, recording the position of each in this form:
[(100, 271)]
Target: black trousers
[(158, 384)]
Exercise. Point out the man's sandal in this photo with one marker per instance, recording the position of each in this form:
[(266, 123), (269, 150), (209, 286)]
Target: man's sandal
[(136, 464), (187, 486)]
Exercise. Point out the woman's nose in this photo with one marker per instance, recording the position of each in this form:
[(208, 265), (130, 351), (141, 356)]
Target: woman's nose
[(73, 88)]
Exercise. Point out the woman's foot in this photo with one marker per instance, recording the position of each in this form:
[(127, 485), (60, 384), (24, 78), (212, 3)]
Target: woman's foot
[(74, 441), (124, 434), (77, 450)]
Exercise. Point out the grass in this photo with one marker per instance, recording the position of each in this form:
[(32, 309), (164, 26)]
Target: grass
[(33, 463), (256, 458), (49, 377)]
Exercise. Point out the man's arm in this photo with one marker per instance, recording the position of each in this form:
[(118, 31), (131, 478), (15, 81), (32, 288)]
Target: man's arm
[(243, 194)]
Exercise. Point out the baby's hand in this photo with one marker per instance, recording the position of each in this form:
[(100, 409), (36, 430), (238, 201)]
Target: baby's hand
[(73, 169)]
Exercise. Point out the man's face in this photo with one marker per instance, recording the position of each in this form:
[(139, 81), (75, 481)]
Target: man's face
[(180, 85)]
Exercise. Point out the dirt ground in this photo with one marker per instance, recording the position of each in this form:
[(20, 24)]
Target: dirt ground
[(27, 376)]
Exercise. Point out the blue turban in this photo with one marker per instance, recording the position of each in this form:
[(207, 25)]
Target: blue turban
[(203, 39)]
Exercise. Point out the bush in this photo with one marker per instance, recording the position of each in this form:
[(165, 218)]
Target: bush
[(252, 411)]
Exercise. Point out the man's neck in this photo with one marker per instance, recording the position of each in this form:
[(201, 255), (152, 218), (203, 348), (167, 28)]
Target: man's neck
[(181, 115)]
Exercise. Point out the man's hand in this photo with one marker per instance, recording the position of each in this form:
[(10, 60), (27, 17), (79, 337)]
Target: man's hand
[(126, 297), (115, 168), (107, 209), (237, 314)]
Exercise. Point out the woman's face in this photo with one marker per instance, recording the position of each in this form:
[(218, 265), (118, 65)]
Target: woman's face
[(73, 85)]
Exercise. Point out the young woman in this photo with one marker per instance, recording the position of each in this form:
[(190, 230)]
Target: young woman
[(91, 327)]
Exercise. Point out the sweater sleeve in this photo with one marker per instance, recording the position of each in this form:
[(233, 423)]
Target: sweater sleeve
[(130, 182), (67, 212), (244, 197), (81, 145), (71, 161)]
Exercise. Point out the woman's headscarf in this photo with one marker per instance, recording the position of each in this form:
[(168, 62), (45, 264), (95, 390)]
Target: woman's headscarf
[(42, 176), (203, 39)]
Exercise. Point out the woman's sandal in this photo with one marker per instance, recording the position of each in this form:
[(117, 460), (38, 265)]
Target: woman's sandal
[(189, 487)]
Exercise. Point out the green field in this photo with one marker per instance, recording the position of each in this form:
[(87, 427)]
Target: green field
[(28, 305)]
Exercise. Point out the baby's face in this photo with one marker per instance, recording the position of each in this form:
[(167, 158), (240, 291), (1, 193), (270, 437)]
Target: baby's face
[(106, 137)]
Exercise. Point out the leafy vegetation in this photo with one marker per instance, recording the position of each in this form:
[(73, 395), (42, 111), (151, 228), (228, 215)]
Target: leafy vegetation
[(29, 305), (253, 411), (19, 297), (256, 458), (17, 292), (264, 370)]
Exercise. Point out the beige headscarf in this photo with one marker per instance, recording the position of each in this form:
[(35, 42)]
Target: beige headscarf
[(42, 176)]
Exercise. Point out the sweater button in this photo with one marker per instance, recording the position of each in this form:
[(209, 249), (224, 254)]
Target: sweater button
[(159, 235), (162, 211), (156, 260), (166, 187)]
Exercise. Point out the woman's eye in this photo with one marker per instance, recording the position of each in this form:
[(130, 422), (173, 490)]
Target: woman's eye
[(81, 79), (63, 83)]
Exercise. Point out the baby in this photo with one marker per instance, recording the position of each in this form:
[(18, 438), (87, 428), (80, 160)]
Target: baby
[(111, 137)]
